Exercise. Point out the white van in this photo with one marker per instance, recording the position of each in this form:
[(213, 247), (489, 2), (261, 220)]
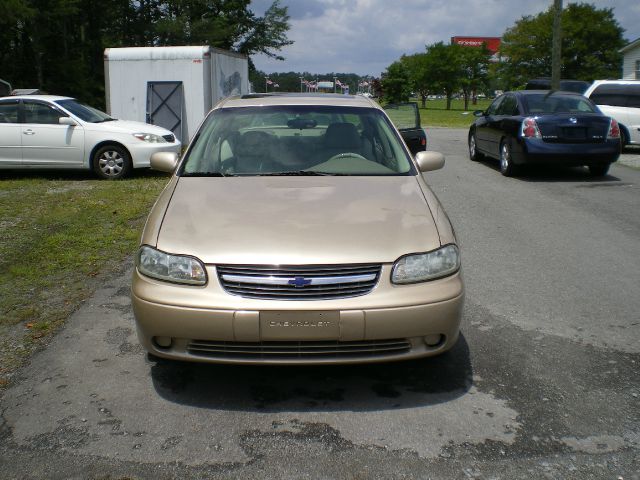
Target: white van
[(619, 99)]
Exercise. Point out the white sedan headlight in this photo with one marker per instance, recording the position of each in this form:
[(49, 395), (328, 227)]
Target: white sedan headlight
[(422, 267), (150, 137), (170, 268)]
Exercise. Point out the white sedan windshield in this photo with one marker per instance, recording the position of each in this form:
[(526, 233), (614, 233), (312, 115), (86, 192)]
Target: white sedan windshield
[(84, 112)]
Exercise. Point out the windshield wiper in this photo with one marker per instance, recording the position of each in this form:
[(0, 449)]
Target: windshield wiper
[(300, 173), (105, 120), (206, 174)]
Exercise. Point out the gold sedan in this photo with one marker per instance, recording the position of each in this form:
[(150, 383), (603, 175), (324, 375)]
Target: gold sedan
[(297, 229)]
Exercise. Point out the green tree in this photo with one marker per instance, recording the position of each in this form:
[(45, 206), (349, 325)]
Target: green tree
[(227, 24), (445, 64), (395, 83), (58, 45), (591, 38), (420, 78), (474, 71)]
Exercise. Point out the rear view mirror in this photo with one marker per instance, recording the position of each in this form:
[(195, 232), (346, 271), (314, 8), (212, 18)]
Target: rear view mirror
[(429, 161), (478, 113), (301, 123), (164, 161)]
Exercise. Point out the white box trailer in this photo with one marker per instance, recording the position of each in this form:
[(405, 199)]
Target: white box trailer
[(173, 87)]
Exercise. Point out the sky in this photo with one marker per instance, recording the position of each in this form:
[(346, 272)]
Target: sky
[(366, 36)]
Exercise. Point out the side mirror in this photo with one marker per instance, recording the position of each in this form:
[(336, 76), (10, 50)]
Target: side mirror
[(67, 121), (164, 161), (429, 161), (478, 113)]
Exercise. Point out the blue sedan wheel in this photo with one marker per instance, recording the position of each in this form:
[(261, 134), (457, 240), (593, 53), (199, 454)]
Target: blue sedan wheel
[(507, 168), (474, 154)]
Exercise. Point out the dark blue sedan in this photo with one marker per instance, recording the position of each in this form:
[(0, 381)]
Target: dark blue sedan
[(543, 127)]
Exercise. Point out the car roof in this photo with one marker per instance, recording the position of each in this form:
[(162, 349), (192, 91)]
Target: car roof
[(616, 82), (545, 92), (50, 98), (275, 99)]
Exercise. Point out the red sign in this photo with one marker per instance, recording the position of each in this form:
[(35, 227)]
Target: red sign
[(493, 43)]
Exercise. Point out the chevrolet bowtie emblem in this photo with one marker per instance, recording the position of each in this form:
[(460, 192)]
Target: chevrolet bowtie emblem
[(300, 282)]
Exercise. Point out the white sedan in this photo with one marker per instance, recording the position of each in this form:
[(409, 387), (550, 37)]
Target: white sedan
[(47, 131)]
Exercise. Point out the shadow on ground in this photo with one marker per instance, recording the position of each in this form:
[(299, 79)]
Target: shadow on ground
[(550, 174), (371, 387)]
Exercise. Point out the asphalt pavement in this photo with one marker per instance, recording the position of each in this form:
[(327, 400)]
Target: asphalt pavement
[(544, 382)]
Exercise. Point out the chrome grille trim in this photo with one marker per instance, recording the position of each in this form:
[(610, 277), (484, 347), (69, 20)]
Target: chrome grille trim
[(307, 282), (285, 280), (287, 350)]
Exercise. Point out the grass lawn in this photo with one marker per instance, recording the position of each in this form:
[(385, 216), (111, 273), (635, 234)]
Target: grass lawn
[(436, 114), (57, 233)]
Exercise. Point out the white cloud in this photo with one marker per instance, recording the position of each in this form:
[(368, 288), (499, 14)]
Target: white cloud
[(366, 36)]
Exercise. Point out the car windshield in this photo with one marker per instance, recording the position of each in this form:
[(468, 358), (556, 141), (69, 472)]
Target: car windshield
[(296, 140), (84, 112), (558, 103)]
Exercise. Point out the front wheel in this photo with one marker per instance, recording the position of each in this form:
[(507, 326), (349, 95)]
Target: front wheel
[(474, 154), (599, 170), (111, 162), (507, 168)]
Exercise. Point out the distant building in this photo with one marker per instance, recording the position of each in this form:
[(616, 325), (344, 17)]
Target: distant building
[(492, 43), (631, 63)]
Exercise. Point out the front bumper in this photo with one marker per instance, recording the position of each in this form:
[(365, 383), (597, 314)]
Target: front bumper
[(390, 323)]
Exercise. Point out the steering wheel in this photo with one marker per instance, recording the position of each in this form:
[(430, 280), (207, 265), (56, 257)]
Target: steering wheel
[(348, 154)]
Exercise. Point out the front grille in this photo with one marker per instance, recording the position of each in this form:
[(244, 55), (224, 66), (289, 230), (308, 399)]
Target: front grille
[(309, 282), (169, 138), (298, 350)]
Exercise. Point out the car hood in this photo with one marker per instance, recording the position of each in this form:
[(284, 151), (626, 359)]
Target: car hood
[(128, 126), (297, 220)]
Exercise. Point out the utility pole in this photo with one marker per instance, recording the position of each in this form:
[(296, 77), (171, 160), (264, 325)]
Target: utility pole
[(556, 57)]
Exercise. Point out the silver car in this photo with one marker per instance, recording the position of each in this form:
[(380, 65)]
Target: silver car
[(297, 229)]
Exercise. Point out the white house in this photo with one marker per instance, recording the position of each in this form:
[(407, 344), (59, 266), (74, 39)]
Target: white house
[(631, 63)]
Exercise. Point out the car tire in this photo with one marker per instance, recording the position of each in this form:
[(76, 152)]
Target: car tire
[(474, 154), (623, 139), (507, 168), (111, 162), (599, 170)]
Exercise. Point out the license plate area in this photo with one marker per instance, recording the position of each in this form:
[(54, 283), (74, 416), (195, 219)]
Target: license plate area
[(574, 133), (299, 326)]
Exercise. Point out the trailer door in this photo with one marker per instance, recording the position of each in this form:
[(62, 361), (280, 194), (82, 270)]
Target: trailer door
[(165, 104)]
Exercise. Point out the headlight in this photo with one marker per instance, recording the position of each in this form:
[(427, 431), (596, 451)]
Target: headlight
[(171, 268), (149, 137), (426, 266)]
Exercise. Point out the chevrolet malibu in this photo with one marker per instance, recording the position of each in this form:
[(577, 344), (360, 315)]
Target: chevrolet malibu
[(51, 132), (297, 229)]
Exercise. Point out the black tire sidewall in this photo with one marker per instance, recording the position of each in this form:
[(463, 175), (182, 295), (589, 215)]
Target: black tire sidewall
[(599, 170)]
